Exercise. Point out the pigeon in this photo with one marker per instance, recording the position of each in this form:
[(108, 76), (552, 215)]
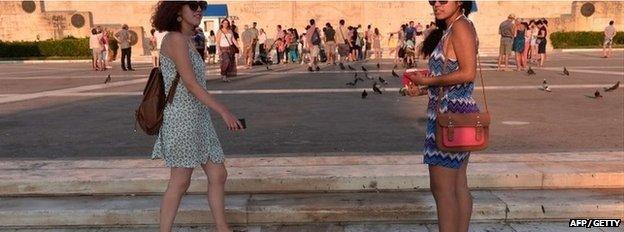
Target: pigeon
[(368, 77), (395, 66), (351, 68), (376, 88), (364, 69), (378, 66), (382, 80), (364, 94), (342, 67), (394, 74), (530, 71), (612, 87), (355, 81), (318, 68), (597, 94), (268, 69), (358, 78), (108, 79), (545, 86), (565, 71)]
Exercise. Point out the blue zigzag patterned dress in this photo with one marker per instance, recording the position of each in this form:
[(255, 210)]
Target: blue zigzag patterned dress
[(457, 99)]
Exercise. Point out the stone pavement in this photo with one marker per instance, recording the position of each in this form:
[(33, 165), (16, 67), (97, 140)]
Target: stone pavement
[(57, 110), (327, 189), (340, 172), (353, 227), (316, 156)]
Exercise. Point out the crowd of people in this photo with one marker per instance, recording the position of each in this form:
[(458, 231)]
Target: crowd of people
[(527, 39), (104, 45), (329, 44)]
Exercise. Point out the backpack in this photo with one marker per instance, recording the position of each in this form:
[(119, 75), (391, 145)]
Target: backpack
[(149, 114), (316, 38)]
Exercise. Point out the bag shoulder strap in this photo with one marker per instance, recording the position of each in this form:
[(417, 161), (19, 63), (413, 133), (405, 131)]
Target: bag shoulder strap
[(226, 38), (441, 89), (172, 90)]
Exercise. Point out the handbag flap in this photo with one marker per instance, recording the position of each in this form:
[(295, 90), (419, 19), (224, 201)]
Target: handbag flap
[(458, 119)]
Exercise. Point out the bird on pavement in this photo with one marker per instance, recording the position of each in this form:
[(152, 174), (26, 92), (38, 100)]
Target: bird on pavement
[(367, 76), (614, 87), (565, 71), (357, 78), (382, 80), (318, 68), (545, 86), (378, 66), (597, 94), (376, 88), (364, 69), (394, 74), (108, 79), (530, 71), (268, 69), (342, 67), (351, 68), (364, 94)]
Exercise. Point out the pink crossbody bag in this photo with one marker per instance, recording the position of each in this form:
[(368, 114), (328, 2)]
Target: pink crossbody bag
[(461, 132)]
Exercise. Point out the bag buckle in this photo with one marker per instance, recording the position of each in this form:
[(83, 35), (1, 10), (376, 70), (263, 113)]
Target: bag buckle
[(451, 130), (479, 131)]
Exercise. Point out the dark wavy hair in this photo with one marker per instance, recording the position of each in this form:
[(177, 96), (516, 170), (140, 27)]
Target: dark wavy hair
[(166, 14), (436, 35)]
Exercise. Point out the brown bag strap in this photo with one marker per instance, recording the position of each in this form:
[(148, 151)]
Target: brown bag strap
[(441, 89), (172, 90)]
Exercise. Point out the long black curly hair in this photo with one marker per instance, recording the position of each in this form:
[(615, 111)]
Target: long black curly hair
[(436, 35)]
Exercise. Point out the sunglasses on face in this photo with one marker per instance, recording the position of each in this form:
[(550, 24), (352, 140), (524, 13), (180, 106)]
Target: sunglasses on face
[(434, 2), (196, 5)]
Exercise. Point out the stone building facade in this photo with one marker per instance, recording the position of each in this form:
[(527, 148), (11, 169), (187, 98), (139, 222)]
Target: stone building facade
[(32, 20)]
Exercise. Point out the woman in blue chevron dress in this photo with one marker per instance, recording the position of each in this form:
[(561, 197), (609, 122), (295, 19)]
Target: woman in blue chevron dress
[(452, 64)]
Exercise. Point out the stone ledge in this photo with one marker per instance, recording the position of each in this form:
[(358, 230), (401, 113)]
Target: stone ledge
[(412, 207), (310, 174)]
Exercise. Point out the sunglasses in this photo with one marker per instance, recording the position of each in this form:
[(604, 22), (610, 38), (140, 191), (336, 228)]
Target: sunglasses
[(197, 5), (434, 2)]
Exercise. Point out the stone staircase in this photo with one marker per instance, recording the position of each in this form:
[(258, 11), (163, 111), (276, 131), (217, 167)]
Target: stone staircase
[(310, 189)]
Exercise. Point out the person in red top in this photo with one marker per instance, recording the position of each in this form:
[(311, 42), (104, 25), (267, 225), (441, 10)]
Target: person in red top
[(280, 47)]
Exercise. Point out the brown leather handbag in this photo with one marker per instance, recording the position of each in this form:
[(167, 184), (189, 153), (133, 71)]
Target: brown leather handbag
[(149, 114), (461, 132), (234, 49)]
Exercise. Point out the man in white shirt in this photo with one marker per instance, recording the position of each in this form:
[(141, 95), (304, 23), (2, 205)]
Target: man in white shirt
[(343, 41), (312, 43), (609, 33), (96, 49)]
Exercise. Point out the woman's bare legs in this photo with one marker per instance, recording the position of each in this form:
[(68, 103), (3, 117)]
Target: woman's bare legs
[(217, 176), (464, 199), (518, 61), (179, 182), (443, 183)]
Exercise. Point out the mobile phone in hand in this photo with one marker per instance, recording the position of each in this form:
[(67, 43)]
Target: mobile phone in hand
[(243, 123)]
